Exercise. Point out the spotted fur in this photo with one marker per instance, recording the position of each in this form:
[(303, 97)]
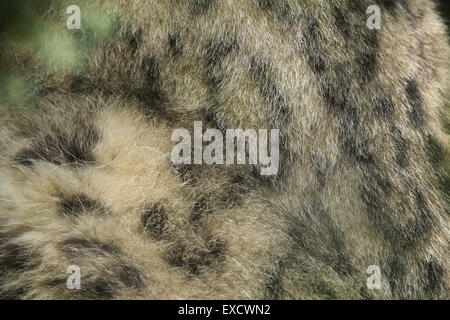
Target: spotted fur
[(86, 177)]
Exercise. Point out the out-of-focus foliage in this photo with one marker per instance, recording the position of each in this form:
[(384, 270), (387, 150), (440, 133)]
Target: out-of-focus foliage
[(39, 29)]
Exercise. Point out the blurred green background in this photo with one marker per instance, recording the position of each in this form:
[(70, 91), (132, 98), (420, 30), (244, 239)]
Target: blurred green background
[(53, 47)]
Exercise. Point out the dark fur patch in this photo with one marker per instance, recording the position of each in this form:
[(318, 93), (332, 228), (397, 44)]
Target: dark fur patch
[(80, 83), (201, 6), (93, 287), (319, 166), (151, 92), (317, 63), (376, 193), (424, 220), (26, 156), (103, 285), (313, 40), (383, 107), (131, 277), (269, 90), (366, 59), (134, 40), (401, 147), (98, 289), (219, 48), (338, 96), (389, 5), (416, 114), (15, 259), (76, 204), (437, 155), (274, 283), (351, 25), (443, 179), (200, 209), (435, 277), (314, 213), (77, 247), (14, 293), (175, 44), (232, 195), (295, 268), (278, 115), (186, 172), (364, 293), (395, 274), (354, 144), (193, 260), (341, 22), (434, 149), (273, 182), (59, 147), (229, 195), (357, 151), (154, 221), (216, 51), (281, 10)]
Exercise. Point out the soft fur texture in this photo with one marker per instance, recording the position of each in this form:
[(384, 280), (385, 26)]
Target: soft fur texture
[(86, 177)]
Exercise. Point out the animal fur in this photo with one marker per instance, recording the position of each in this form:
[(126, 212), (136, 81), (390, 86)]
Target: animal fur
[(86, 177)]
